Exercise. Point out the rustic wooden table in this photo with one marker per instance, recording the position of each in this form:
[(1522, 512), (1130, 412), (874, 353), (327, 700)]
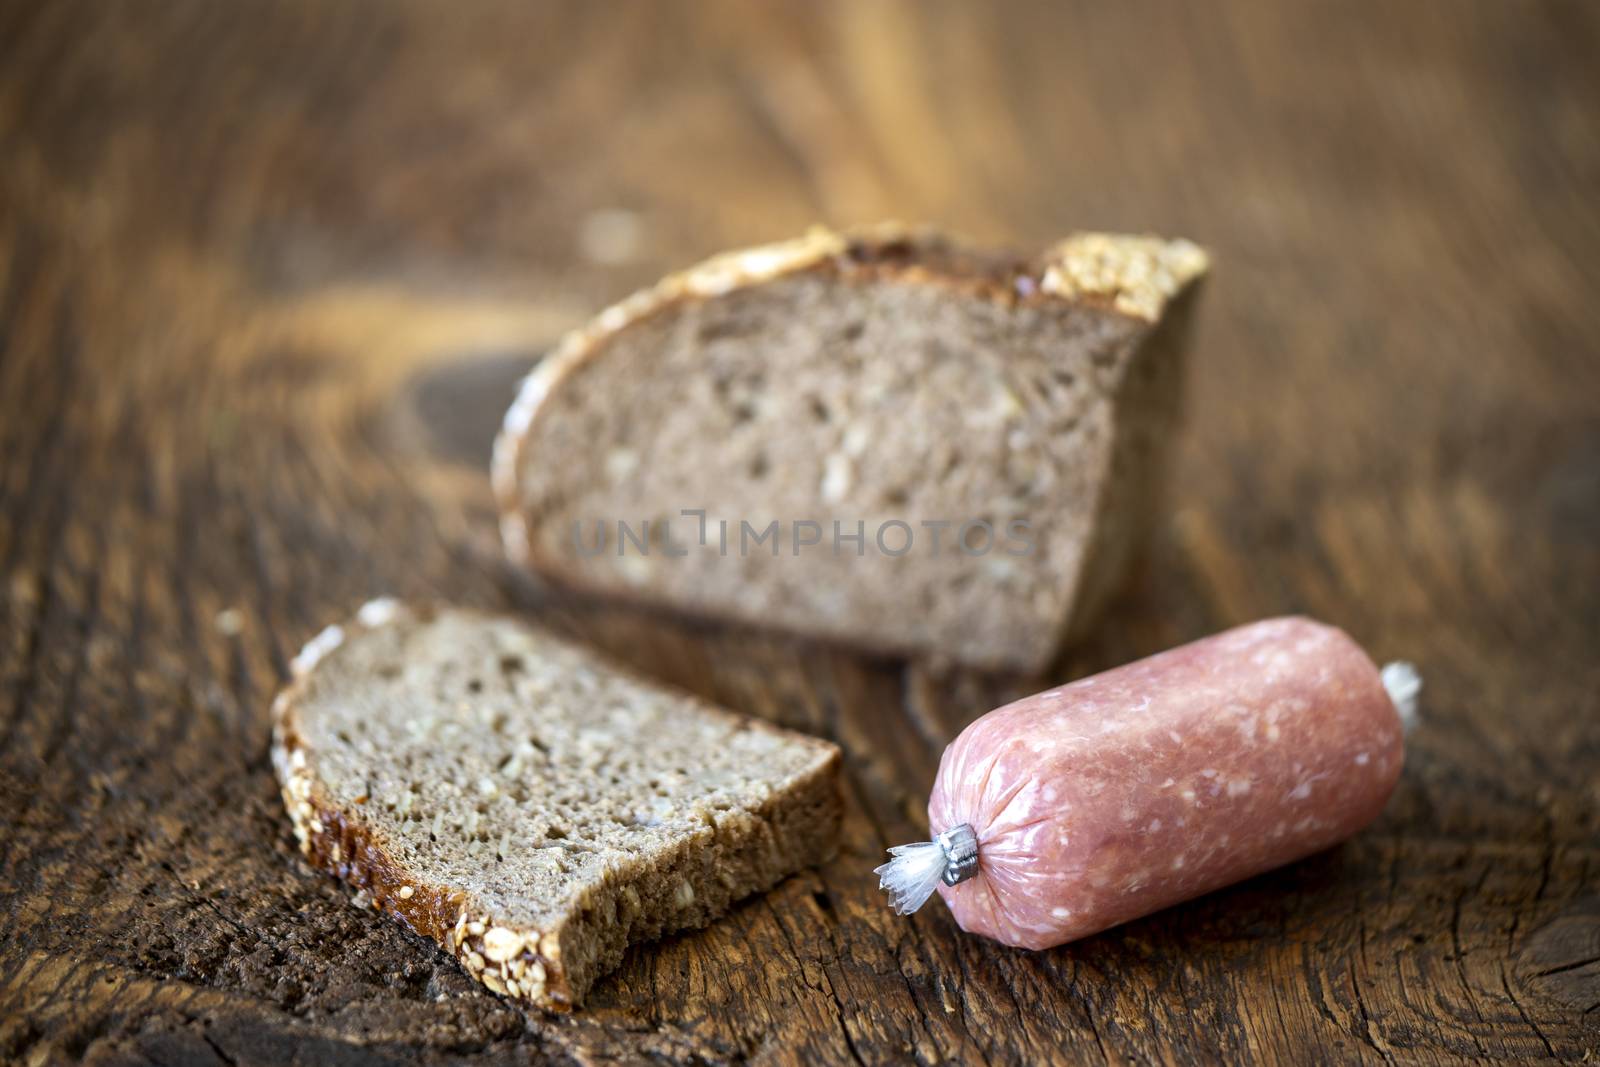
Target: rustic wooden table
[(267, 273)]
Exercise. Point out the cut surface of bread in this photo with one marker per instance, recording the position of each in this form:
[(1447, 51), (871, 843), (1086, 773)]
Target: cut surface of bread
[(530, 807), (959, 450)]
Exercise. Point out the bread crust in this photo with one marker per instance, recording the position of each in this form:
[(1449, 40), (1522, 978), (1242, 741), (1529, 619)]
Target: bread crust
[(1133, 276), (510, 959)]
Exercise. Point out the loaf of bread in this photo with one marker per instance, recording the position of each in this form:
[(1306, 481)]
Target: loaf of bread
[(884, 439), (530, 807)]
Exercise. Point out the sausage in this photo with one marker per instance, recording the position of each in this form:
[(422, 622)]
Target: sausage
[(1085, 806)]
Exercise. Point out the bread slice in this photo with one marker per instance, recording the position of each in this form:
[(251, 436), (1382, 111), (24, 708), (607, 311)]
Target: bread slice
[(528, 806), (885, 382)]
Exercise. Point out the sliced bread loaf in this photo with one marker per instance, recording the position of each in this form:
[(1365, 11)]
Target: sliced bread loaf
[(958, 449), (527, 805)]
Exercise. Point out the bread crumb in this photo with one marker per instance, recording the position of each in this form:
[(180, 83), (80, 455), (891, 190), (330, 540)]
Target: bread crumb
[(611, 236)]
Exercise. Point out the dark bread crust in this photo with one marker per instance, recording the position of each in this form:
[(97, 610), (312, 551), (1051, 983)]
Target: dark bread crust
[(553, 968), (1134, 279)]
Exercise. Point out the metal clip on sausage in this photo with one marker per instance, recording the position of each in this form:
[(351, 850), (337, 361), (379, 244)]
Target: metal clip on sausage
[(960, 846)]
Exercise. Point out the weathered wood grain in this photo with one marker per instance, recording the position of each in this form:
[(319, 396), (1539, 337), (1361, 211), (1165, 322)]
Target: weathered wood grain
[(267, 271)]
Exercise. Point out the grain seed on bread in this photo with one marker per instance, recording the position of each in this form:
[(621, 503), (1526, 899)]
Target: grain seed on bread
[(527, 805)]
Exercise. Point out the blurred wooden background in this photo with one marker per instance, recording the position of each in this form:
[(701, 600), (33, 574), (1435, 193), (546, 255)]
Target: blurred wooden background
[(268, 271)]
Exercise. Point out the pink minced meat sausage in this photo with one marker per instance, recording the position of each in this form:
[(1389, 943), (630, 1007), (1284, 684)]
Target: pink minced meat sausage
[(1153, 783)]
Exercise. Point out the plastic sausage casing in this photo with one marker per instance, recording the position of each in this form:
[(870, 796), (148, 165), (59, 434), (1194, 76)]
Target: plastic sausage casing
[(1123, 793)]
